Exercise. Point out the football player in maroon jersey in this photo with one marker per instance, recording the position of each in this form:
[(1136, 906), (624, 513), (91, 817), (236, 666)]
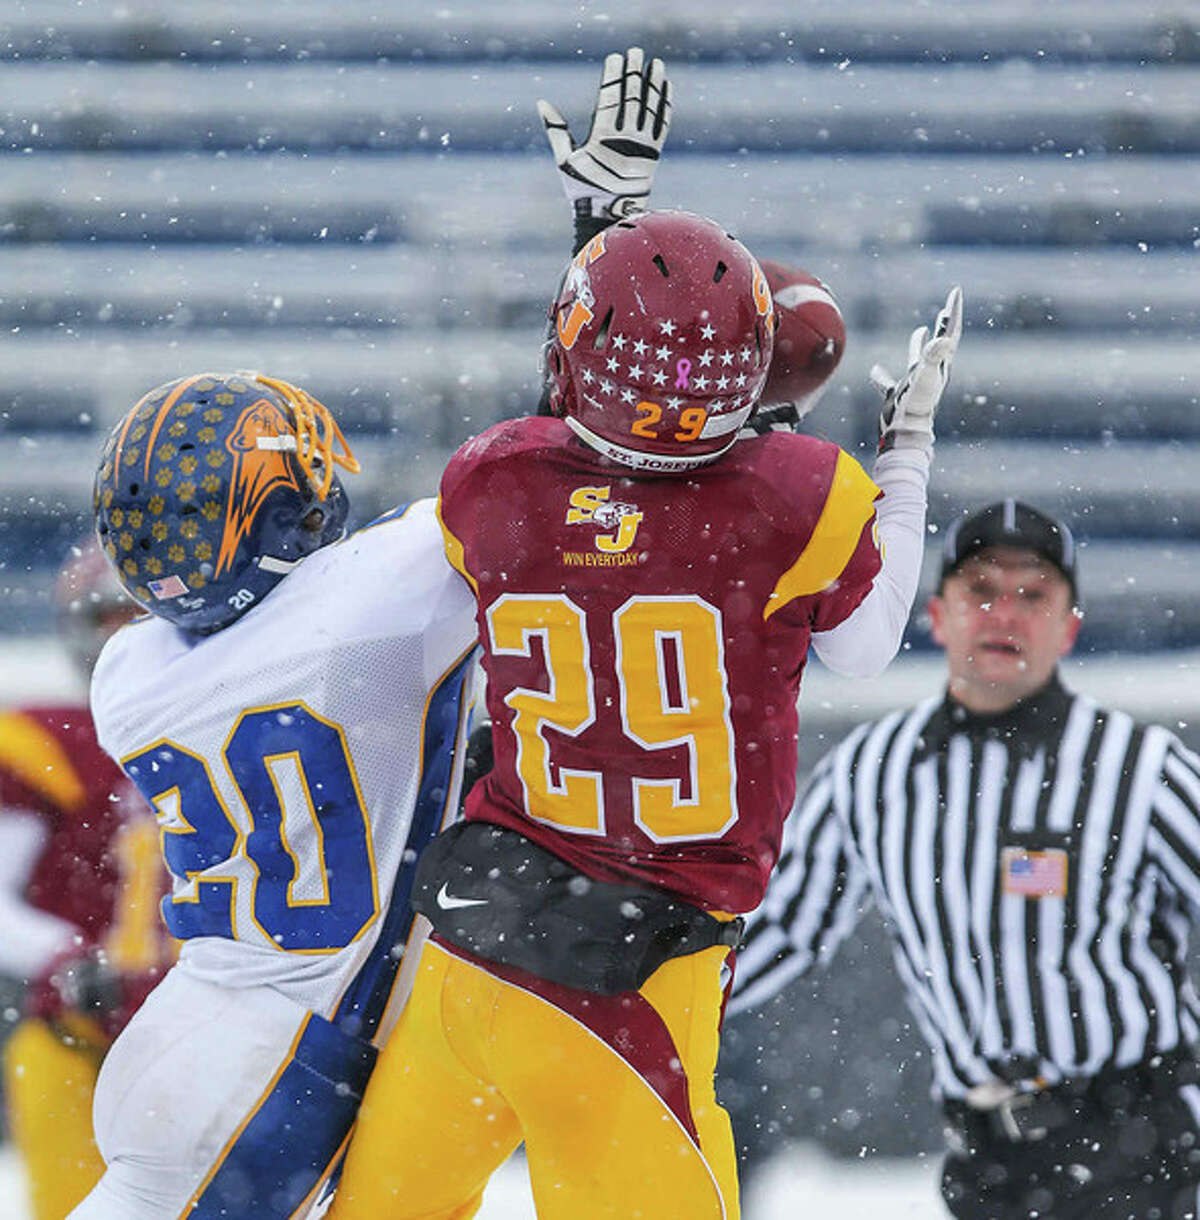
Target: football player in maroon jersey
[(80, 883), (648, 584)]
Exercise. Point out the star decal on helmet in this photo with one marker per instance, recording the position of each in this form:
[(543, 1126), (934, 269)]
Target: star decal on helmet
[(671, 296)]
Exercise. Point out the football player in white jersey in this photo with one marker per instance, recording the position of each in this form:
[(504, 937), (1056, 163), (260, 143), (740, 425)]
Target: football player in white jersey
[(292, 709)]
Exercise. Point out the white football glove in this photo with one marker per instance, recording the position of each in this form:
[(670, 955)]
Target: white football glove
[(906, 421), (611, 173)]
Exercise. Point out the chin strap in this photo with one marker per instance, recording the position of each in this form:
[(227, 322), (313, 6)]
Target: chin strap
[(317, 434)]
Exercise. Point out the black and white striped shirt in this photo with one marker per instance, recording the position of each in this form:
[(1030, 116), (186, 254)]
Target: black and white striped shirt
[(1038, 871)]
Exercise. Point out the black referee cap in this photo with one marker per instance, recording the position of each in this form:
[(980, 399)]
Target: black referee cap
[(1010, 523)]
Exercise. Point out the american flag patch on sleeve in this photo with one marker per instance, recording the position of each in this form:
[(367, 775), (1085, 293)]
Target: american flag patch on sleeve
[(1034, 874)]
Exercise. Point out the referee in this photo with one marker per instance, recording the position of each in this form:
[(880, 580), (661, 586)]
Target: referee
[(1036, 859)]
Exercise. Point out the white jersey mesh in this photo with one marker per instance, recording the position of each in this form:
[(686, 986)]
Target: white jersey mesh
[(358, 638)]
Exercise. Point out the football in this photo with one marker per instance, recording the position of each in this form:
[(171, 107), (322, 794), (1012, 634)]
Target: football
[(810, 335)]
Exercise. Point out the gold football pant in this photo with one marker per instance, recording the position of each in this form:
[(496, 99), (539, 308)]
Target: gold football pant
[(48, 1085), (613, 1096)]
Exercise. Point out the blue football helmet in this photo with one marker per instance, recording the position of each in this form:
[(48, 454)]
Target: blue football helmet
[(212, 488)]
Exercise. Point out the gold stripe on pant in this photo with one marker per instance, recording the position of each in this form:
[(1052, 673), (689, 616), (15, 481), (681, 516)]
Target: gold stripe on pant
[(614, 1099)]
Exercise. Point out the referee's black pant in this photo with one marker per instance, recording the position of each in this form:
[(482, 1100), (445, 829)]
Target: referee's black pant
[(1125, 1147)]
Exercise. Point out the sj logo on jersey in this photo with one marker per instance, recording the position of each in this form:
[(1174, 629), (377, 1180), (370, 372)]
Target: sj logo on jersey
[(594, 506)]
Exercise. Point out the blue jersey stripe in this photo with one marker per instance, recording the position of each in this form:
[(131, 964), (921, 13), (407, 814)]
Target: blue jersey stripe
[(365, 1000), (296, 1132)]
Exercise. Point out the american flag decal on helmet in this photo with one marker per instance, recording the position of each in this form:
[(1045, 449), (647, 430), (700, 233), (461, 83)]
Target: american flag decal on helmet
[(171, 586)]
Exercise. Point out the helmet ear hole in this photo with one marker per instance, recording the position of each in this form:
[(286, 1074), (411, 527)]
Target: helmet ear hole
[(552, 394), (719, 272), (601, 339)]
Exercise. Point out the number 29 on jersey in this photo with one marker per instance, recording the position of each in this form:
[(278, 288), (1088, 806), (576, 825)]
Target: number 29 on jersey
[(673, 692)]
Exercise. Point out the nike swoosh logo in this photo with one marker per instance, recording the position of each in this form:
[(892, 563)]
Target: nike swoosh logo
[(448, 902)]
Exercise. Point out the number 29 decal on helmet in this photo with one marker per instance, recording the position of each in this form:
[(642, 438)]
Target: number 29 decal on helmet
[(212, 488), (661, 341)]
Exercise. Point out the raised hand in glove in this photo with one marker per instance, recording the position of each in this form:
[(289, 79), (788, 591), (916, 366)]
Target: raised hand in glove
[(909, 405), (610, 174)]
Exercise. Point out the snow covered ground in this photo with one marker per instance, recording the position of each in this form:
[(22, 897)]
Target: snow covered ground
[(800, 1181)]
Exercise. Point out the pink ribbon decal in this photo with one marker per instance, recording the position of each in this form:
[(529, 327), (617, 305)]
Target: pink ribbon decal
[(682, 369)]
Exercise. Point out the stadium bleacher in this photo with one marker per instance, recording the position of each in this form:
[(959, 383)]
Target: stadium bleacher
[(357, 197)]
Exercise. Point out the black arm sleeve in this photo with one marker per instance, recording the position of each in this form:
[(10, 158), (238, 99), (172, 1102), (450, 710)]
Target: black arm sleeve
[(587, 225)]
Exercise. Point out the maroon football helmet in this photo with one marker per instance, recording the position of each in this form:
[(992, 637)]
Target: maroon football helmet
[(662, 337), (89, 603), (810, 336)]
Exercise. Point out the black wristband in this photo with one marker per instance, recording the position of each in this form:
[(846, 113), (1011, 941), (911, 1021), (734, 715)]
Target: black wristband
[(587, 225)]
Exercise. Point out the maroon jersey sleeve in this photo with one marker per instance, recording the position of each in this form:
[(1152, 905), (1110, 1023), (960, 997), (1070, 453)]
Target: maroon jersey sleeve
[(37, 773), (644, 639), (839, 558), (841, 599), (100, 868)]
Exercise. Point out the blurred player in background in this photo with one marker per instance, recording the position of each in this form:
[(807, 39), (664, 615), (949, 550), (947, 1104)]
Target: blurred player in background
[(291, 708), (80, 883), (648, 586)]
